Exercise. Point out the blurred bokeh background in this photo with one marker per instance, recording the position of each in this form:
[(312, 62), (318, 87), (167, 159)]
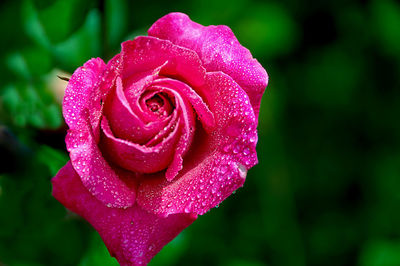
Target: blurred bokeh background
[(327, 188)]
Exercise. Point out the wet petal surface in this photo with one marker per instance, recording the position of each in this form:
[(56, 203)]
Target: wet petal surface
[(218, 49), (217, 163), (147, 53), (132, 235)]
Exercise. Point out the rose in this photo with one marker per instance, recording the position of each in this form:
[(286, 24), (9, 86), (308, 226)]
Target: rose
[(163, 132)]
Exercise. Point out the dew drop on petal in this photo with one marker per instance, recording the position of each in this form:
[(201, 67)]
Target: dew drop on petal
[(242, 171)]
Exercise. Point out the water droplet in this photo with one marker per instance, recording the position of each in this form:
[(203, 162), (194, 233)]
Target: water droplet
[(188, 208), (227, 148), (236, 149), (223, 169), (242, 171)]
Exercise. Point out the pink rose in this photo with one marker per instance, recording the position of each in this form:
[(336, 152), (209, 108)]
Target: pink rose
[(162, 133)]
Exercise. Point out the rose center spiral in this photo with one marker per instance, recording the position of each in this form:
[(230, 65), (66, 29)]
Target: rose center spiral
[(155, 103)]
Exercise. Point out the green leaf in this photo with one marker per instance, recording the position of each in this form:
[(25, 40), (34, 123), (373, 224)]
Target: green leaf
[(267, 30), (30, 62), (57, 20), (53, 159), (53, 23), (33, 26), (17, 64), (386, 22), (52, 115), (116, 17), (380, 253), (10, 99), (171, 253), (82, 45), (64, 31), (97, 253), (30, 104)]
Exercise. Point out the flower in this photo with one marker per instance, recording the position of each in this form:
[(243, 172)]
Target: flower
[(162, 133)]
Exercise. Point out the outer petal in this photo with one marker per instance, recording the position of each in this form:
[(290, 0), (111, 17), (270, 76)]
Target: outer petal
[(96, 174), (82, 109), (80, 89), (131, 235), (146, 53), (217, 163), (218, 49)]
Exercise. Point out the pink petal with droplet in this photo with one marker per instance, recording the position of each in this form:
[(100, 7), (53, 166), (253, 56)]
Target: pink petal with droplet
[(83, 84), (125, 123), (187, 123), (82, 113), (217, 163), (136, 157), (96, 174), (203, 112), (146, 53), (133, 235), (218, 49), (99, 94), (156, 105)]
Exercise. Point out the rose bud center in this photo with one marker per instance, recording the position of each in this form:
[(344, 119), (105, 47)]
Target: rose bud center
[(157, 103)]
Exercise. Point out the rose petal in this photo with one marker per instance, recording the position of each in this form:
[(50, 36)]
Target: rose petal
[(163, 133), (217, 163), (218, 49), (146, 53), (156, 105), (125, 123), (81, 140), (132, 235), (96, 174), (99, 95), (186, 137), (83, 84), (135, 86), (146, 159), (136, 157), (204, 114)]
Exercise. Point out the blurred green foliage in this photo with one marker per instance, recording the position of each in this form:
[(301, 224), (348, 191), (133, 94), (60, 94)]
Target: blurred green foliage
[(327, 188)]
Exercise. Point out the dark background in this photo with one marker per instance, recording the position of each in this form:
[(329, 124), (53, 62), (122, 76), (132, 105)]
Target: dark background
[(327, 188)]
